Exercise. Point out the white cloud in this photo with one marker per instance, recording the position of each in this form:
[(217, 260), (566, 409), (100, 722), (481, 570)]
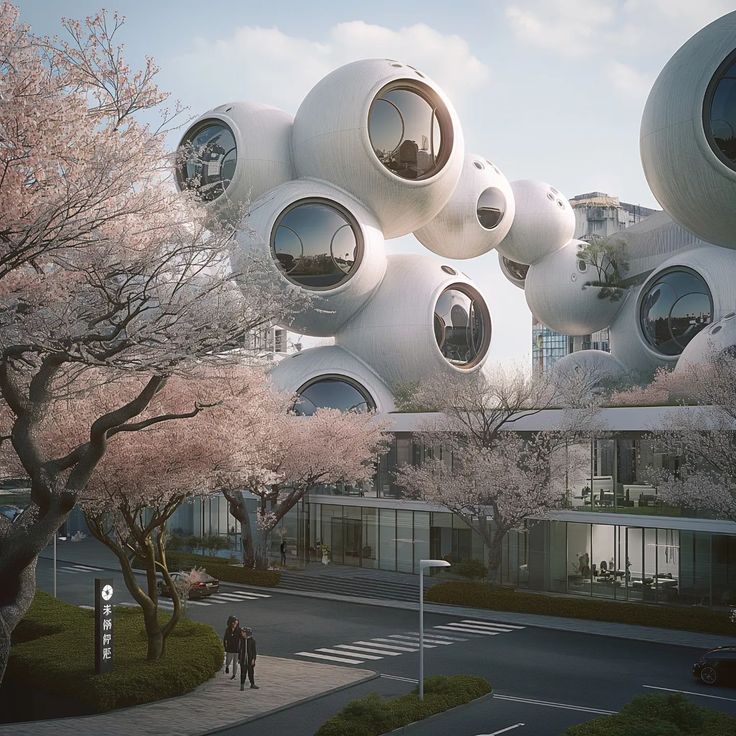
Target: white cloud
[(270, 66), (628, 81)]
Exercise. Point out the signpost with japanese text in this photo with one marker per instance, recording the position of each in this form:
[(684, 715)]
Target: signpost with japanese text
[(103, 625)]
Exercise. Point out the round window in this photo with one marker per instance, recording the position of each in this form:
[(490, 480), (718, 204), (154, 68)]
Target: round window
[(674, 307), (516, 270), (491, 207), (316, 244), (719, 112), (462, 325), (206, 159), (332, 392), (410, 130)]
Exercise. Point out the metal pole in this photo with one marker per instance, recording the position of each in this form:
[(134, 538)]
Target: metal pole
[(421, 633), (54, 564)]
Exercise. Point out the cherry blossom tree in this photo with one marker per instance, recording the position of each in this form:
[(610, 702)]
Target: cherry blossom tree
[(485, 471), (304, 453), (108, 277)]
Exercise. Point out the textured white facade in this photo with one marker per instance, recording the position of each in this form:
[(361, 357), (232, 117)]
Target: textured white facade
[(458, 231), (331, 142)]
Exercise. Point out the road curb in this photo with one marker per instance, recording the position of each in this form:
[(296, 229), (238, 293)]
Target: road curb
[(296, 703)]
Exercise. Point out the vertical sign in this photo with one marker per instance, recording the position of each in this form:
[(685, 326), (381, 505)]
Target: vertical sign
[(103, 625)]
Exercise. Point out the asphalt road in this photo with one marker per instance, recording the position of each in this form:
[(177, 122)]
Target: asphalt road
[(544, 680)]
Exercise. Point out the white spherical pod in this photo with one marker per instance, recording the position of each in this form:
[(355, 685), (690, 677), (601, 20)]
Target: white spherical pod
[(716, 340), (514, 272), (682, 297), (596, 366), (233, 154), (425, 319), (688, 134), (477, 217), (558, 291), (386, 133), (320, 240), (543, 222), (330, 376)]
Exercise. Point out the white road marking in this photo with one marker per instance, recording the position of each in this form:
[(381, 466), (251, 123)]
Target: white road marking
[(492, 627), (503, 730), (427, 638), (375, 643), (252, 592), (372, 650), (341, 653), (466, 630), (342, 660), (550, 704), (449, 638), (690, 692), (403, 679), (410, 640), (491, 623)]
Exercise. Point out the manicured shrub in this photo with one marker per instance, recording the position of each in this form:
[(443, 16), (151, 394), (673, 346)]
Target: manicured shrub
[(482, 595), (52, 662), (373, 715), (473, 569), (659, 715)]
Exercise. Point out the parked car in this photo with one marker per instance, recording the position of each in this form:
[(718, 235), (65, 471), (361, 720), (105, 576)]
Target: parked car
[(10, 512), (205, 585), (717, 666)]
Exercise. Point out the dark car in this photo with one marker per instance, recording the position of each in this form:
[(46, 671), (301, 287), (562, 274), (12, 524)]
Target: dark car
[(717, 666), (206, 585), (10, 512)]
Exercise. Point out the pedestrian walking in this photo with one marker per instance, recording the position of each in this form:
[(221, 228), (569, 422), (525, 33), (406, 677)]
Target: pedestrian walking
[(231, 642), (283, 553), (247, 656)]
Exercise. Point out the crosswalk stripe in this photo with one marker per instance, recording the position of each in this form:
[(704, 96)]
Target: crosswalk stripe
[(87, 568), (486, 627), (69, 569), (372, 650), (342, 660), (492, 623), (411, 640), (247, 594), (454, 627), (449, 638), (199, 603), (223, 594), (374, 643), (253, 592), (354, 654), (428, 638)]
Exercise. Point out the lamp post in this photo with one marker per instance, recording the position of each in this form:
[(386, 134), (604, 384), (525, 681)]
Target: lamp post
[(423, 565)]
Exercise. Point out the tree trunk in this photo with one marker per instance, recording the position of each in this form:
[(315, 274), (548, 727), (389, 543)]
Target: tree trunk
[(154, 634), (239, 510), (263, 545), (494, 561)]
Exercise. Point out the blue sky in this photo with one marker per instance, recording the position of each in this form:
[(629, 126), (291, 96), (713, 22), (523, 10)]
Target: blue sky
[(546, 89)]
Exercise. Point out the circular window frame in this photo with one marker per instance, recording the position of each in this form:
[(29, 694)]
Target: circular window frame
[(191, 133), (354, 383), (350, 220), (442, 113), (509, 269), (647, 288), (503, 212), (710, 92), (475, 296)]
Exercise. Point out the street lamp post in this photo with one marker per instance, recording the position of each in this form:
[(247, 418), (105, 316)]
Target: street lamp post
[(423, 565)]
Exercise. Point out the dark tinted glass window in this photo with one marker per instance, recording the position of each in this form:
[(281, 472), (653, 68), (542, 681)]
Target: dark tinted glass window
[(673, 309), (462, 326), (406, 133), (720, 112), (332, 393), (316, 245), (491, 207), (207, 158), (516, 270)]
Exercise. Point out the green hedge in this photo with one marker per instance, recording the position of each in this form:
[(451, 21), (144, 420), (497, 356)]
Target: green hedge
[(51, 666), (659, 715), (222, 570), (482, 595), (373, 715)]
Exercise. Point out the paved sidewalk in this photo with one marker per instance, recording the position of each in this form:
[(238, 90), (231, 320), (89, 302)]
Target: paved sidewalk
[(216, 704)]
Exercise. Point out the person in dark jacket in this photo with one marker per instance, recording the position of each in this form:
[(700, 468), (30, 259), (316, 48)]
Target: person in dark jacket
[(231, 642), (282, 549), (247, 656)]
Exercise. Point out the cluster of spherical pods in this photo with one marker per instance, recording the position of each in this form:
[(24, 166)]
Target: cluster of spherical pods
[(374, 152)]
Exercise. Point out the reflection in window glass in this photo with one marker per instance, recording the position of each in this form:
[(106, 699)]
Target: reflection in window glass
[(332, 393), (462, 326), (517, 271), (675, 307), (316, 245), (405, 132), (491, 207), (207, 158), (720, 118)]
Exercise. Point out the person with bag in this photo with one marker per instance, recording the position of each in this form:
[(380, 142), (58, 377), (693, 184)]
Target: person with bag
[(231, 643), (247, 656)]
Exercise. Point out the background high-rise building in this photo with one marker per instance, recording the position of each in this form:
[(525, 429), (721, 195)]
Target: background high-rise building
[(596, 215)]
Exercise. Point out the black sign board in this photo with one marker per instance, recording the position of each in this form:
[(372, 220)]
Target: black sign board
[(103, 625)]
